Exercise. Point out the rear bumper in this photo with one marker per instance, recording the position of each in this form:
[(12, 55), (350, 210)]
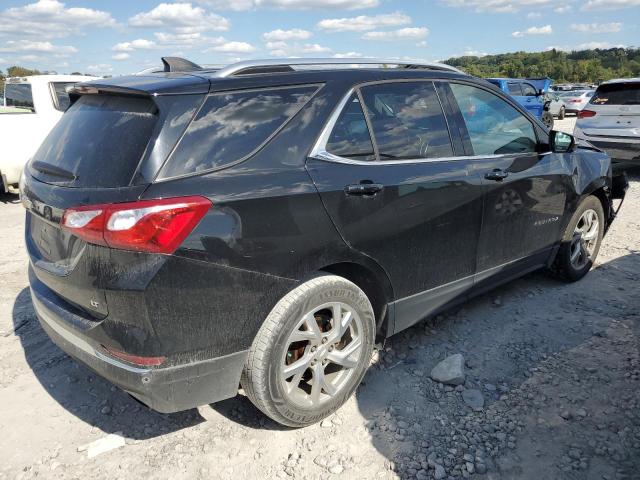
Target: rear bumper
[(166, 390), (620, 151)]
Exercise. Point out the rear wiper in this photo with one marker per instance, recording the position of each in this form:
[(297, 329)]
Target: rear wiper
[(53, 170)]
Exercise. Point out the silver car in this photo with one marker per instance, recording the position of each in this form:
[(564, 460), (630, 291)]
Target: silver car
[(611, 121), (575, 100)]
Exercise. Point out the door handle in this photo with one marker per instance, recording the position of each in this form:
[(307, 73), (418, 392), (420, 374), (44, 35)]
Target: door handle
[(496, 175), (363, 189)]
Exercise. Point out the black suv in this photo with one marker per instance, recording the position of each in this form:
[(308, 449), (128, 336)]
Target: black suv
[(265, 224)]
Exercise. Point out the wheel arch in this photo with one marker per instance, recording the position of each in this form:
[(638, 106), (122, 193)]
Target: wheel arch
[(375, 283)]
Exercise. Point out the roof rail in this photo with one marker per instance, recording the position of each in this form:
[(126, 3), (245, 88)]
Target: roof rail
[(287, 64)]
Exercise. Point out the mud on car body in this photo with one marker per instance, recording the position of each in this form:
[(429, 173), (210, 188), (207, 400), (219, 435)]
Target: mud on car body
[(266, 224)]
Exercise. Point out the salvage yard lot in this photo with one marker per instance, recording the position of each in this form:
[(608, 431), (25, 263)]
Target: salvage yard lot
[(557, 365)]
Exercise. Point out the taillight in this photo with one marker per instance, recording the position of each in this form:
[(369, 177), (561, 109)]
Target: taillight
[(586, 114), (135, 359), (155, 226)]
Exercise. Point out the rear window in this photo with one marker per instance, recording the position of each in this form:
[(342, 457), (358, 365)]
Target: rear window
[(617, 94), (60, 96), (232, 126), (98, 142), (18, 95)]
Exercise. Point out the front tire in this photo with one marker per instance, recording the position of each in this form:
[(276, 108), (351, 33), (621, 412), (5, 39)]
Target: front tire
[(312, 351), (580, 242)]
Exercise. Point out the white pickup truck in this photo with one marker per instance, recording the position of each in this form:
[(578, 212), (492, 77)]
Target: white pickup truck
[(31, 107)]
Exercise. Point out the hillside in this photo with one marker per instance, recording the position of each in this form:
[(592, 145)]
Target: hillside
[(591, 66)]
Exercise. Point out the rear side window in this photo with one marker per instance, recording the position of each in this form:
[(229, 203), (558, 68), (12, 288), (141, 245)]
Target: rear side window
[(98, 142), (231, 126), (617, 94), (60, 96), (407, 120), (350, 136), (494, 126), (514, 89), (19, 95), (528, 90)]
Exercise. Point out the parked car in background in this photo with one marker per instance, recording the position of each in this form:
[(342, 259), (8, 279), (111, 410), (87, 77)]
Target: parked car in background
[(557, 107), (275, 219), (575, 100), (530, 93), (611, 121), (31, 107)]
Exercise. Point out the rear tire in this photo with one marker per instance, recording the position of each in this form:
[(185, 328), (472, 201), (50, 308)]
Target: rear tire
[(303, 364), (561, 113), (547, 119), (580, 242)]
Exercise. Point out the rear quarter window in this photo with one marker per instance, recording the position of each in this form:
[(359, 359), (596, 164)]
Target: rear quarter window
[(231, 126), (617, 94)]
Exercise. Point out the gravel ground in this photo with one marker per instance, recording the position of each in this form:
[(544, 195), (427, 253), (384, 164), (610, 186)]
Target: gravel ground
[(557, 367)]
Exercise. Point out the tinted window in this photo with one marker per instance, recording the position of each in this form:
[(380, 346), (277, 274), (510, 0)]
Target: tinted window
[(617, 94), (99, 140), (61, 97), (528, 90), (350, 136), (407, 120), (19, 95), (514, 89), (494, 126), (231, 126)]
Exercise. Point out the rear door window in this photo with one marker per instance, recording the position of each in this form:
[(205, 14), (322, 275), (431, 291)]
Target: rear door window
[(494, 126), (407, 121), (617, 94), (98, 142), (350, 137), (232, 126), (19, 96), (528, 90)]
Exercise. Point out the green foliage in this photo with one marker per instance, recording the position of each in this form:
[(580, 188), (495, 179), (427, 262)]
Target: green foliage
[(592, 66)]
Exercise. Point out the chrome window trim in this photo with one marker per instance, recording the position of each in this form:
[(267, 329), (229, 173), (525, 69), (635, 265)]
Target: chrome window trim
[(319, 150)]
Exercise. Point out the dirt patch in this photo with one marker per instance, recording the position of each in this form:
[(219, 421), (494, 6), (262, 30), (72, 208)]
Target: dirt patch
[(557, 367)]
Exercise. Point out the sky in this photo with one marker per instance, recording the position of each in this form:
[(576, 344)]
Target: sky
[(118, 37)]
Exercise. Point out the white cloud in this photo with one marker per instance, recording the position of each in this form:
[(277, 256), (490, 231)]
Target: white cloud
[(285, 35), (180, 17), (610, 4), (243, 5), (612, 27), (584, 46), (546, 30), (51, 19), (233, 47), (138, 44), (409, 33), (421, 44), (283, 49), (186, 40), (364, 22), (100, 68), (121, 56), (533, 15), (348, 55), (563, 9), (496, 6), (39, 47)]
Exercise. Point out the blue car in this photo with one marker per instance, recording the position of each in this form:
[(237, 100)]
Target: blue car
[(528, 92)]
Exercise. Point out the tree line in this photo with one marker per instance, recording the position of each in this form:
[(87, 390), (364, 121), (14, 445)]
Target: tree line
[(589, 66)]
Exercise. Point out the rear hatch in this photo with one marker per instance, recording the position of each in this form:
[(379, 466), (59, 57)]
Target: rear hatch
[(613, 111), (106, 149)]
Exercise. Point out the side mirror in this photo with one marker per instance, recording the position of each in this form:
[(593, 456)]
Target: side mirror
[(561, 142)]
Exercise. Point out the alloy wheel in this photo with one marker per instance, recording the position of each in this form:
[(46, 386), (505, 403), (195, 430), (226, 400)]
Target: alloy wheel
[(322, 354), (585, 239)]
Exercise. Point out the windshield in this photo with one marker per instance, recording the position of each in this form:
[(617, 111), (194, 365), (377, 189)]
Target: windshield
[(18, 97), (617, 94)]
